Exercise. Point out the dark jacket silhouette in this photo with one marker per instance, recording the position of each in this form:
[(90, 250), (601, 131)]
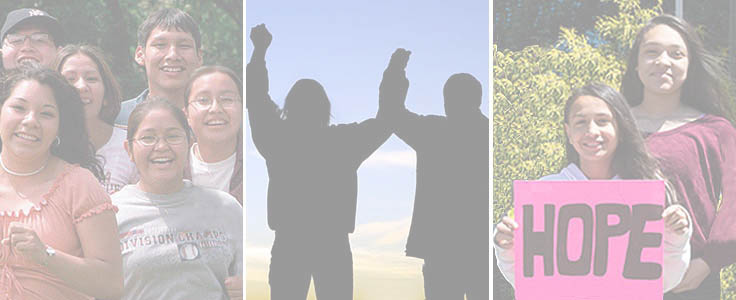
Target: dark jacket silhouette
[(313, 183), (450, 221)]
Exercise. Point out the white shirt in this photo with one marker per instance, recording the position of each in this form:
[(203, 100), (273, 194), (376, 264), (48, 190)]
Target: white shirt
[(119, 169), (676, 257), (215, 175)]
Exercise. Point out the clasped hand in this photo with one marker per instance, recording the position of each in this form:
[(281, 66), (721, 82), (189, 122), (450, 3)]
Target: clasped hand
[(25, 241)]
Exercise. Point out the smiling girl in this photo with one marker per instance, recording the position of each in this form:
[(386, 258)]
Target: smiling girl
[(59, 236), (214, 109), (84, 68), (603, 143), (675, 87), (178, 240)]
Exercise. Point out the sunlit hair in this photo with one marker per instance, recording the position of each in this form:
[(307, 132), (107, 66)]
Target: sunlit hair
[(631, 160), (141, 111), (75, 147), (113, 95), (704, 88)]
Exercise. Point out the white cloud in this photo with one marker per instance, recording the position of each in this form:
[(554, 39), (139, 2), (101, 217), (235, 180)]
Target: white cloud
[(382, 158)]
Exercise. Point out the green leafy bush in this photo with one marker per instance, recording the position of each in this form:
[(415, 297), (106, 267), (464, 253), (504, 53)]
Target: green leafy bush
[(531, 85)]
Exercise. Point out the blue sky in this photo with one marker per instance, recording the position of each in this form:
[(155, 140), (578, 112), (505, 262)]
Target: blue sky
[(346, 45)]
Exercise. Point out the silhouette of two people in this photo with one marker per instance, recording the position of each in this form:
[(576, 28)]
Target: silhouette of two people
[(312, 191)]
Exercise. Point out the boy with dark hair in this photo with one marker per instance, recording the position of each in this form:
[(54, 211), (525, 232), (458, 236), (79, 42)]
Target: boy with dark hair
[(449, 226), (169, 49)]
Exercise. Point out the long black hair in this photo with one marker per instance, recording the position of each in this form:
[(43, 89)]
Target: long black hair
[(74, 146), (704, 88), (631, 160)]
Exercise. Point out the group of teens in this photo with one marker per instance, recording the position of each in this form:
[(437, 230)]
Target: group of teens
[(106, 199), (94, 202)]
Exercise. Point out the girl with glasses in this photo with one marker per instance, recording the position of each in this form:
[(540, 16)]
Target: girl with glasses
[(178, 240), (214, 109)]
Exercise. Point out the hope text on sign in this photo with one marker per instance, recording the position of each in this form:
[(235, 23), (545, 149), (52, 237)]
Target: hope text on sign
[(588, 239)]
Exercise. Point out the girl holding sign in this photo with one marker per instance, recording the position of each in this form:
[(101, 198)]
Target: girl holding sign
[(604, 143), (675, 87)]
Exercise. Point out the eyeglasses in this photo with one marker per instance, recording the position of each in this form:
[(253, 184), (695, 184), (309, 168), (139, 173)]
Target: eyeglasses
[(151, 140), (205, 103), (37, 39)]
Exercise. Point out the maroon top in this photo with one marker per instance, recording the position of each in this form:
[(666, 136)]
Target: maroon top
[(700, 160)]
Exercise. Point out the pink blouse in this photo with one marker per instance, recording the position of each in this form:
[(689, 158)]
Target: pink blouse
[(75, 195)]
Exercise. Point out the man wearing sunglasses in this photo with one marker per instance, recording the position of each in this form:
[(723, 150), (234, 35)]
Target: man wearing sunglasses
[(29, 34)]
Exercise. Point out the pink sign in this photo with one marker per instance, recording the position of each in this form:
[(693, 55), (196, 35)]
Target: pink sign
[(588, 239)]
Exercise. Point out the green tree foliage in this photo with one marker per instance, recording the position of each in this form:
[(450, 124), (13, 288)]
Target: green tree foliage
[(113, 24), (530, 87), (728, 283), (521, 23)]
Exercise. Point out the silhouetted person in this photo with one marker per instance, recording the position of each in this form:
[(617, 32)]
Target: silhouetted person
[(449, 227), (312, 169)]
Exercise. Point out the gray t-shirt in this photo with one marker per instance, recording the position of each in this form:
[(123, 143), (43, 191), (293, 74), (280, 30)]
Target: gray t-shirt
[(181, 245)]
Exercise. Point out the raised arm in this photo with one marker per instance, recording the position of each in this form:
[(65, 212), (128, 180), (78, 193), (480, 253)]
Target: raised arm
[(392, 98), (263, 113), (256, 73), (364, 138), (394, 85)]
